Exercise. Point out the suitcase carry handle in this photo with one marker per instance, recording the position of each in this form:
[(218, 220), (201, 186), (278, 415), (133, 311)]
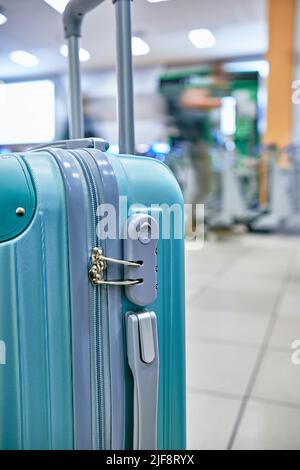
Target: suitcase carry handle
[(143, 359), (91, 142), (74, 14), (72, 18)]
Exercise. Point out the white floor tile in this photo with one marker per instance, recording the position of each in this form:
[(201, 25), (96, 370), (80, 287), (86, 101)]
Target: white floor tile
[(234, 300), (269, 427), (248, 284), (286, 330), (226, 326), (210, 421), (290, 304), (293, 287), (232, 289), (259, 270), (219, 367), (195, 285), (295, 275), (278, 378)]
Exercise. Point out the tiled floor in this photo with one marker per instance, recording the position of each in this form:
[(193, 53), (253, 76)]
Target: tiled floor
[(243, 313)]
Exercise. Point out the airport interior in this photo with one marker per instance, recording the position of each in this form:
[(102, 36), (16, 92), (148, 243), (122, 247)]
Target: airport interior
[(217, 100)]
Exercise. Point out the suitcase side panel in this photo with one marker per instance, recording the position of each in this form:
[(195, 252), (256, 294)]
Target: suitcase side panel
[(36, 381), (147, 181)]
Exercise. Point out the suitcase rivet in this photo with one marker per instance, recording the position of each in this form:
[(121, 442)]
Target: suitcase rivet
[(20, 212)]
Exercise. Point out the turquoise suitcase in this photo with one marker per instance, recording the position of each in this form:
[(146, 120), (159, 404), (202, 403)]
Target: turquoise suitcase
[(92, 340)]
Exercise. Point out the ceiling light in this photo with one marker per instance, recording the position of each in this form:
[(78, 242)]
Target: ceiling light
[(23, 58), (3, 19), (161, 148), (84, 55), (139, 46), (58, 5), (202, 38), (156, 1), (64, 50)]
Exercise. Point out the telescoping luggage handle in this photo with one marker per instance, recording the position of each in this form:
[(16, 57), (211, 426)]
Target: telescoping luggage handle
[(72, 18)]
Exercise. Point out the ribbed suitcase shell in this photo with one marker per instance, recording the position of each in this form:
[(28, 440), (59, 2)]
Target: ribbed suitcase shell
[(36, 381)]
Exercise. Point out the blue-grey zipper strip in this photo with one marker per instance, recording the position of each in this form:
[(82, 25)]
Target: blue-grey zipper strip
[(110, 194), (79, 251), (99, 331)]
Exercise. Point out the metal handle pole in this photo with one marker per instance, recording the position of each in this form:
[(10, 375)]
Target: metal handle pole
[(76, 106), (125, 77), (73, 17)]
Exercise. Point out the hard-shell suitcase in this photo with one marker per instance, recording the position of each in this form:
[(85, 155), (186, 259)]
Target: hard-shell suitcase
[(92, 348)]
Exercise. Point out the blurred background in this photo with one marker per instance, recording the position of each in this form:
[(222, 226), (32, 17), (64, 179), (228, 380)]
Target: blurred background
[(217, 98)]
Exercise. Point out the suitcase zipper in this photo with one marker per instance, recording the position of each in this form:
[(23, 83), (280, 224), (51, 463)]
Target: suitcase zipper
[(97, 310)]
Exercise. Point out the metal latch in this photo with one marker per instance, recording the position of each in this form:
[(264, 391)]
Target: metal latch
[(99, 265), (140, 264)]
